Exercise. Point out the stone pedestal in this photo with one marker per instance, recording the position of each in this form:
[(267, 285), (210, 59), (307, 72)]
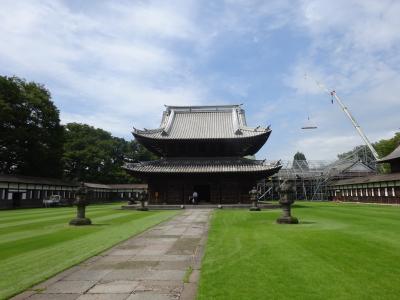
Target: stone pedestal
[(286, 217), (80, 216)]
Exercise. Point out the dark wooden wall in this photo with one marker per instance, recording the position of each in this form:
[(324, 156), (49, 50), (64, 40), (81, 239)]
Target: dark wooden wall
[(178, 190)]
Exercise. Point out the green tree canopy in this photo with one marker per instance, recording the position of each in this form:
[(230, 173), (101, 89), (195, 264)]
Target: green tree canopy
[(385, 147), (299, 156), (94, 155), (300, 161), (31, 137)]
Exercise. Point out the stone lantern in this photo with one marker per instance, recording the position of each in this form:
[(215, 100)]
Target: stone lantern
[(287, 192), (253, 198), (81, 202), (142, 199)]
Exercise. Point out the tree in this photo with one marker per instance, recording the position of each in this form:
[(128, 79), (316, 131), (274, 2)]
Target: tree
[(300, 161), (385, 147), (94, 155), (31, 137), (139, 153)]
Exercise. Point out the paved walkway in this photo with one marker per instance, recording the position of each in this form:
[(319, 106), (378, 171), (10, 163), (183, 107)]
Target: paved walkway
[(152, 265)]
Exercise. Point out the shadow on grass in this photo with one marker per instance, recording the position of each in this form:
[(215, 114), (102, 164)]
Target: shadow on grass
[(306, 222), (300, 206)]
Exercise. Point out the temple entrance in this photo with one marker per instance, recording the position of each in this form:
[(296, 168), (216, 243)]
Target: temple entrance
[(203, 191)]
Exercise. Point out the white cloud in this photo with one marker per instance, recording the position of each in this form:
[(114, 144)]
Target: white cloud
[(353, 49), (155, 19), (114, 63), (363, 25)]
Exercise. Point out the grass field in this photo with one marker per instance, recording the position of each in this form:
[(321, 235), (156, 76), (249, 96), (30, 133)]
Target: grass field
[(37, 243), (339, 251)]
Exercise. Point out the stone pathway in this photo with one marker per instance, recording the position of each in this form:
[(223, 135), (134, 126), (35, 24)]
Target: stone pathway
[(152, 265)]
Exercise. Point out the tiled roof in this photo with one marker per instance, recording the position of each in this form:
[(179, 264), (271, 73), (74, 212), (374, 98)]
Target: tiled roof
[(128, 186), (59, 182), (202, 122), (35, 180), (348, 167), (369, 179), (392, 156), (116, 186), (96, 185), (203, 165)]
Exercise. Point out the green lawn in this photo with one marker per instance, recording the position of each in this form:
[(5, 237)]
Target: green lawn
[(339, 251), (37, 243)]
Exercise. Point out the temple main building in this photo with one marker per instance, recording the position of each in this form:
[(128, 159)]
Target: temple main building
[(202, 149)]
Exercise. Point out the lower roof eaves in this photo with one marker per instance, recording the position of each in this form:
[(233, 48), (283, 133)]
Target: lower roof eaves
[(202, 166), (368, 179)]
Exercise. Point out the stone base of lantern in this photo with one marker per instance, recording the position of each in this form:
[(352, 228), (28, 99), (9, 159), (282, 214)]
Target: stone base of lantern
[(142, 208), (254, 208), (287, 220), (80, 221)]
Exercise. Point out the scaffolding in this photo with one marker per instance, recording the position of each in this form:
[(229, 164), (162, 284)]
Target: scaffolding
[(312, 178)]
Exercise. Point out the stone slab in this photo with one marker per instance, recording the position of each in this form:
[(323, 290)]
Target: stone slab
[(189, 292), (114, 287), (166, 257), (134, 274), (184, 246), (68, 287), (86, 274), (160, 286), (54, 296), (152, 296), (164, 275), (172, 265), (103, 297)]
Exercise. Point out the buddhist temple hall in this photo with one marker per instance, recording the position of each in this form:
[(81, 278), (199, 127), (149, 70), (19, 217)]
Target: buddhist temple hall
[(202, 149)]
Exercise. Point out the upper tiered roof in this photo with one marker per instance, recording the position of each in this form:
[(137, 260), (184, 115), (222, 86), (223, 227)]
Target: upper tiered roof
[(202, 122), (208, 125)]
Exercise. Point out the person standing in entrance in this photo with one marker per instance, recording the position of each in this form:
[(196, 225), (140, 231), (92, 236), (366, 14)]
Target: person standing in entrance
[(194, 198)]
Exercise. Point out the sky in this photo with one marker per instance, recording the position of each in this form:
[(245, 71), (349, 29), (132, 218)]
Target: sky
[(114, 64)]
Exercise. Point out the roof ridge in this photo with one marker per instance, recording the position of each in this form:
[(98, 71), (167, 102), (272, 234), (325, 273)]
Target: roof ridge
[(168, 107), (256, 129)]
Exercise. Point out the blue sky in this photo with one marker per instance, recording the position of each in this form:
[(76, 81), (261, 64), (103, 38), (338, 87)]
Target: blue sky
[(114, 64)]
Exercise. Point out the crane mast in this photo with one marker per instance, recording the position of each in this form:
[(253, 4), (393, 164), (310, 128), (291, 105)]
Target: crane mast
[(352, 119)]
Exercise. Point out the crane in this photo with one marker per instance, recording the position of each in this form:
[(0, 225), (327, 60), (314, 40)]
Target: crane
[(333, 94)]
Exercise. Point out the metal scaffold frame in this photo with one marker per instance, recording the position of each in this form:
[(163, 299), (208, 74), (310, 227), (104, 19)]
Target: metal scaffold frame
[(313, 177)]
